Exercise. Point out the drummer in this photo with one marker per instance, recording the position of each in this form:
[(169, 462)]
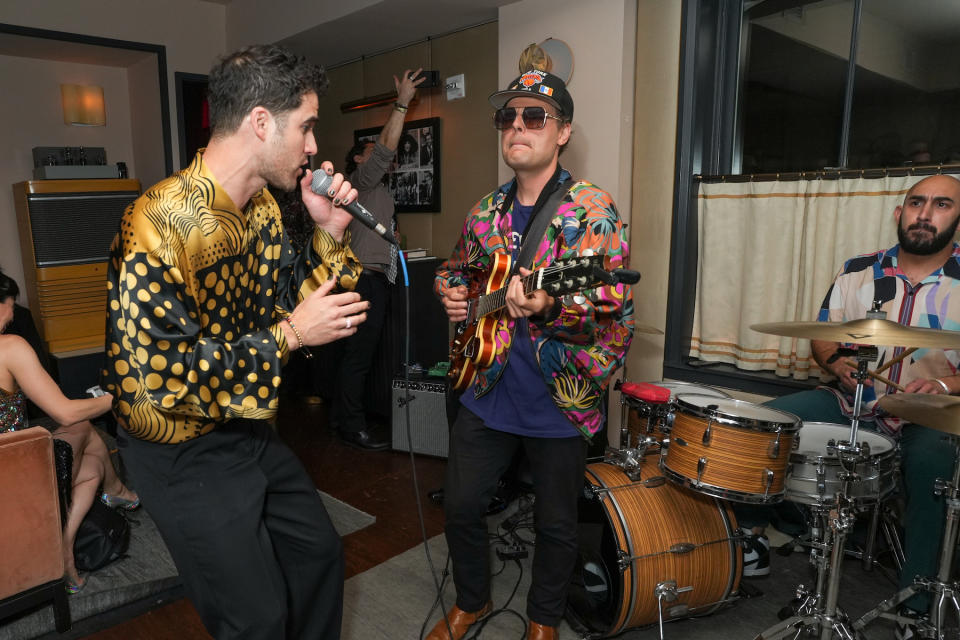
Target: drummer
[(917, 282)]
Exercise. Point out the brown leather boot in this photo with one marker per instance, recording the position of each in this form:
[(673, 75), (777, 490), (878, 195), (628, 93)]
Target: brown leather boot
[(537, 631), (460, 622)]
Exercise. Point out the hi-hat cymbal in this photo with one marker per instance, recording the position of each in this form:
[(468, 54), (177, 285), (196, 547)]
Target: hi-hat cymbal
[(934, 410), (872, 331), (643, 328)]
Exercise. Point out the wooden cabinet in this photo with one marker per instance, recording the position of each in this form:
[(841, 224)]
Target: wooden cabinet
[(66, 227)]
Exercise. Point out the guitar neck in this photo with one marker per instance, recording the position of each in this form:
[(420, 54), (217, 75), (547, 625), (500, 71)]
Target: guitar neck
[(497, 300)]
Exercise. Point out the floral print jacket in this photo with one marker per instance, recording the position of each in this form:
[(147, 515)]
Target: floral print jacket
[(580, 347)]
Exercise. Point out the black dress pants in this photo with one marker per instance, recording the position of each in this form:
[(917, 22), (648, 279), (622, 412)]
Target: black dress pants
[(479, 456), (358, 351), (247, 530)]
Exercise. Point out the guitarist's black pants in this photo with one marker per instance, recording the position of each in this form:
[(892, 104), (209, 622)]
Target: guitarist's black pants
[(479, 456)]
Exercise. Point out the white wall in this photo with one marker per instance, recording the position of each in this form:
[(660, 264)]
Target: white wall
[(601, 35), (31, 116), (193, 33)]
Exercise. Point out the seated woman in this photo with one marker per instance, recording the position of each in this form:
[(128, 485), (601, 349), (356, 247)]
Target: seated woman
[(21, 377)]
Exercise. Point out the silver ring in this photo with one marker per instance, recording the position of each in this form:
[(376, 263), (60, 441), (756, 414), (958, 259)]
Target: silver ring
[(348, 323)]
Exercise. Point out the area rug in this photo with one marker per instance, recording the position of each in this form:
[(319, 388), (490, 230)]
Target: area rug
[(397, 599), (146, 572)]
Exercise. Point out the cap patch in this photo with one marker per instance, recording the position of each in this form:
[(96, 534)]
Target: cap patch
[(545, 90), (531, 78)]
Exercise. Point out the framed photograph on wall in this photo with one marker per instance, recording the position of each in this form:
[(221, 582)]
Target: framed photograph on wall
[(414, 176)]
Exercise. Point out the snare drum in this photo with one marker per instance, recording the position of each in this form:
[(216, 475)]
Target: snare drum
[(813, 474), (729, 448), (645, 419)]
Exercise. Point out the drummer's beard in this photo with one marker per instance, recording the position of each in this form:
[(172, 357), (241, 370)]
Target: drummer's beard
[(929, 244)]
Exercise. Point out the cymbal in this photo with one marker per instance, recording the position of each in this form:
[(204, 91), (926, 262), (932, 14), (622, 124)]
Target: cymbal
[(643, 328), (934, 410), (872, 331)]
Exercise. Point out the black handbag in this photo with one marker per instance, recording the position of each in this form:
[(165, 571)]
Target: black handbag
[(103, 537)]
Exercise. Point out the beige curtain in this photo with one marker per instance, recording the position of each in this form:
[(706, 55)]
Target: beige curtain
[(768, 252)]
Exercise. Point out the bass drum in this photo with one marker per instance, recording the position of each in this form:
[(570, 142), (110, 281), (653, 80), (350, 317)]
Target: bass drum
[(635, 536)]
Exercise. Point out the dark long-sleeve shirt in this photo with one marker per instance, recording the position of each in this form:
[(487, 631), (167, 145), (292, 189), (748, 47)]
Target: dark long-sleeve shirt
[(196, 290)]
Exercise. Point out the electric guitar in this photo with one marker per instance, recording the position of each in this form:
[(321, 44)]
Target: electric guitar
[(473, 345)]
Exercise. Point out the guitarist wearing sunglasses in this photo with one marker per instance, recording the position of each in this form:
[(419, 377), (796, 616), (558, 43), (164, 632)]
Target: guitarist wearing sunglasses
[(535, 375)]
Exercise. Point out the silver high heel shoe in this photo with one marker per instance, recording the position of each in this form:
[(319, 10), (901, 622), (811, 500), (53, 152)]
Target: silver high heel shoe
[(117, 502)]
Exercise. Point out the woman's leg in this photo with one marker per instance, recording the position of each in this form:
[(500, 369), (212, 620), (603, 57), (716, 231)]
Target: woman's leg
[(91, 467)]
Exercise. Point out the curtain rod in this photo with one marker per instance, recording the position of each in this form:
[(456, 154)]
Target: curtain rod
[(834, 174)]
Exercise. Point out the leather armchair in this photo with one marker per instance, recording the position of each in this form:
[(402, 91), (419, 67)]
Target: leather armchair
[(31, 561)]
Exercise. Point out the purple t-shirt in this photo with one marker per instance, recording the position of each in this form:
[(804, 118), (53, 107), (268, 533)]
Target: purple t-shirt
[(519, 402)]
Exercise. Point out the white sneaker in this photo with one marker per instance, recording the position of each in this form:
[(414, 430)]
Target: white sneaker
[(756, 554)]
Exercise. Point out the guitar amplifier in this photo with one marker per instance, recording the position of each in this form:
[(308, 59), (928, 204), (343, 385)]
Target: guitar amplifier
[(429, 429)]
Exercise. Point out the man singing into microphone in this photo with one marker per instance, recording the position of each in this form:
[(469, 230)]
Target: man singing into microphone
[(206, 302)]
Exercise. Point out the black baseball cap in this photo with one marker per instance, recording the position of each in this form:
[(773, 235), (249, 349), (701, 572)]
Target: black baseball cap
[(538, 84)]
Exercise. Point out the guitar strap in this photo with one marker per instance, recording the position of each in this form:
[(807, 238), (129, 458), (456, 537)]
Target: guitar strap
[(543, 212)]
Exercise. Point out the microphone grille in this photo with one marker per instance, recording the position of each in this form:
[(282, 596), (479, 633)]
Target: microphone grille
[(321, 182)]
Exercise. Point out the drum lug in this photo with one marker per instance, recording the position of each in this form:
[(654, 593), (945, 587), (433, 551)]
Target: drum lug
[(767, 481), (623, 561), (701, 466), (707, 434), (773, 451), (654, 482), (821, 478)]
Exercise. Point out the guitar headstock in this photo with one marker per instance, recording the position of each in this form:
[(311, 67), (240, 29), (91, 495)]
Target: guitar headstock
[(573, 275)]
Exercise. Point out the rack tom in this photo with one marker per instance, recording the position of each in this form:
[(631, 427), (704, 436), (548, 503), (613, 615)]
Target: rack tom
[(730, 449)]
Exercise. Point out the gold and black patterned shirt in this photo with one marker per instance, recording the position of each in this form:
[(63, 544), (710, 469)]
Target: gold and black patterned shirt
[(196, 290)]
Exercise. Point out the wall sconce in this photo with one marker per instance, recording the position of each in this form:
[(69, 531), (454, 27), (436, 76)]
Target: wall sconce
[(432, 80), (83, 105), (368, 102)]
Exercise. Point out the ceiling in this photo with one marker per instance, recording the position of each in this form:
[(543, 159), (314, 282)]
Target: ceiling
[(387, 25)]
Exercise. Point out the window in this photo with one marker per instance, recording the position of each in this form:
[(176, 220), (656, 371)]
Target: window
[(767, 87)]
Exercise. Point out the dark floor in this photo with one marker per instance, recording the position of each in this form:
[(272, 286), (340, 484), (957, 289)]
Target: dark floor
[(381, 484)]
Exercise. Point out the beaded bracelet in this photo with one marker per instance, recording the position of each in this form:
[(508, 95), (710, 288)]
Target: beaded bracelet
[(943, 384), (300, 345), (402, 108)]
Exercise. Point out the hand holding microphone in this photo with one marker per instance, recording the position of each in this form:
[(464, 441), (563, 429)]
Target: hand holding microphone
[(323, 183), (324, 208)]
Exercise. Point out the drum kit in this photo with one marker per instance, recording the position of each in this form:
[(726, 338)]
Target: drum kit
[(654, 551)]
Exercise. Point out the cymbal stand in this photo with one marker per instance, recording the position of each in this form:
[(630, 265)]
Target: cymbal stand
[(818, 610), (945, 593)]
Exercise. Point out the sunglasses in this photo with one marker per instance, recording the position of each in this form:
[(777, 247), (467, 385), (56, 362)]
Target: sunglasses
[(533, 117)]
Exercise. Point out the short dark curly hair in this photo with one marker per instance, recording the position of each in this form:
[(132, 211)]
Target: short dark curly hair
[(268, 76), (8, 287)]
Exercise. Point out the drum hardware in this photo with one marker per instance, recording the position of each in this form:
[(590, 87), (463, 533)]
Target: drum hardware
[(818, 610), (668, 590), (944, 591)]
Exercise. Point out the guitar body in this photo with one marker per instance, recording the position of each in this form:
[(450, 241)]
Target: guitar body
[(473, 345)]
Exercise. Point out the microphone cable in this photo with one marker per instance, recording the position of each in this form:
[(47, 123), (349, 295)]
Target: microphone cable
[(407, 398)]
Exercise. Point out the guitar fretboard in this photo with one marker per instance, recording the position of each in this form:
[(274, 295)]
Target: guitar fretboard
[(497, 300)]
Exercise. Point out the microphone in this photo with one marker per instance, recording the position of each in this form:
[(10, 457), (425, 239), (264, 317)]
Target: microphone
[(321, 185)]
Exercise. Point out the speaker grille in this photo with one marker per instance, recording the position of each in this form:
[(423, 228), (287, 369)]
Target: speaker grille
[(75, 228), (429, 429)]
